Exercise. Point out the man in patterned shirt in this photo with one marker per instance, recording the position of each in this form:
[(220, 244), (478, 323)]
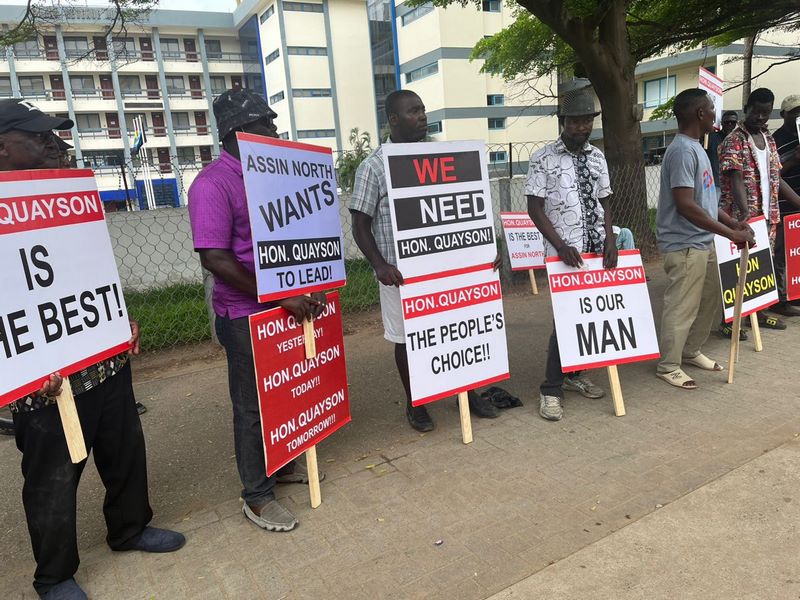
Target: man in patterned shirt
[(107, 411), (372, 230), (568, 188)]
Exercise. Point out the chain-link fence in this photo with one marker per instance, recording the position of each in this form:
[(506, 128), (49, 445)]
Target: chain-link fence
[(164, 283)]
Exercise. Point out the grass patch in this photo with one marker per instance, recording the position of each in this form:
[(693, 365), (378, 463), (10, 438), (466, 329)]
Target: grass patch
[(170, 316)]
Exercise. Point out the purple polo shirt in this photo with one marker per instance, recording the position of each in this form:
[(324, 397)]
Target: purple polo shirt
[(219, 218)]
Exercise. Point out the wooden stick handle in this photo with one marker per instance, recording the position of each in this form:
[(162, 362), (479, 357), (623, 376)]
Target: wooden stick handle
[(466, 422), (313, 477), (737, 313), (756, 328), (534, 287), (71, 423), (616, 391), (308, 335)]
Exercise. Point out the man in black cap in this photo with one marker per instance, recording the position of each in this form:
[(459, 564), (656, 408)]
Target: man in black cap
[(106, 408), (568, 189), (221, 233)]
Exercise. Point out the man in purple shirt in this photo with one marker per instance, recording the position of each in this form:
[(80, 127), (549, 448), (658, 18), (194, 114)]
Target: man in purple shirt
[(221, 232)]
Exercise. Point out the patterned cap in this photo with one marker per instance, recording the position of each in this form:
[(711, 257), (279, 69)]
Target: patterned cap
[(790, 103), (235, 108), (579, 103)]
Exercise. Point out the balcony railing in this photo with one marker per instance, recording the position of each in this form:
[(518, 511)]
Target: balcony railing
[(150, 94), (232, 57), (184, 93)]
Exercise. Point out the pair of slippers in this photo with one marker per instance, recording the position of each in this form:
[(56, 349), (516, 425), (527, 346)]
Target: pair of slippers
[(679, 379)]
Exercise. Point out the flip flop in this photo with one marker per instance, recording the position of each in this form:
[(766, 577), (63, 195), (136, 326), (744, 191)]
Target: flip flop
[(703, 362), (678, 379)]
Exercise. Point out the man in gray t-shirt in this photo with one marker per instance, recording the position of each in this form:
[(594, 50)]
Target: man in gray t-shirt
[(686, 222)]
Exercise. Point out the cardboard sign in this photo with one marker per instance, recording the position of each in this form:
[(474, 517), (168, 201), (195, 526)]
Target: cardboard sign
[(760, 290), (61, 307), (603, 316), (440, 205), (791, 237), (524, 241), (455, 334), (294, 216), (302, 401), (714, 86)]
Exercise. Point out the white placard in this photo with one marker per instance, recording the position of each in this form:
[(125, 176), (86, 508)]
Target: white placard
[(525, 243), (714, 86), (441, 206), (603, 316), (455, 334), (62, 307)]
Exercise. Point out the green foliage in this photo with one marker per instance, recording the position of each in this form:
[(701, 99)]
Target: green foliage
[(348, 160), (664, 111), (170, 316)]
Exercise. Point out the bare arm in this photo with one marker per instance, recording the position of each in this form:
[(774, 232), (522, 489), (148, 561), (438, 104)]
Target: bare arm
[(791, 161), (610, 253), (786, 192), (568, 254), (689, 210), (362, 233)]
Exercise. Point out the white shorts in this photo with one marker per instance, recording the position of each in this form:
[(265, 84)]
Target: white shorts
[(392, 314)]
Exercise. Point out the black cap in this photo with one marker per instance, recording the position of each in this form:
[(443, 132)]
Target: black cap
[(18, 113), (235, 108), (579, 103), (62, 145)]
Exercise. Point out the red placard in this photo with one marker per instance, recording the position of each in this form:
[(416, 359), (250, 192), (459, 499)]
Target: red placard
[(791, 236), (302, 401)]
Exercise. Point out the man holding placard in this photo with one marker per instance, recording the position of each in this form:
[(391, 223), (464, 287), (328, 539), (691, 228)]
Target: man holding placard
[(372, 230), (103, 391), (687, 218), (222, 236), (568, 188)]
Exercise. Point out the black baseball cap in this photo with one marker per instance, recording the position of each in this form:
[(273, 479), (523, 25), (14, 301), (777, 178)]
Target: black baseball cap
[(235, 108), (18, 113)]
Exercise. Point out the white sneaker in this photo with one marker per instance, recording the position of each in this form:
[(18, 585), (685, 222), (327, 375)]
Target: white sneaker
[(550, 407)]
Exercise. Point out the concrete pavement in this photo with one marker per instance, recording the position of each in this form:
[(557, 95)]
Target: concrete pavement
[(526, 494)]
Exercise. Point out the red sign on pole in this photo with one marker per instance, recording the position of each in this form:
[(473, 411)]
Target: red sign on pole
[(302, 401), (791, 236)]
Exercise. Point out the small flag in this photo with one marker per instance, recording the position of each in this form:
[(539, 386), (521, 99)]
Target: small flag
[(139, 136)]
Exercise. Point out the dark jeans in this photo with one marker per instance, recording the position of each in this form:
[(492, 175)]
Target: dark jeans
[(113, 433), (779, 262), (553, 377), (234, 335)]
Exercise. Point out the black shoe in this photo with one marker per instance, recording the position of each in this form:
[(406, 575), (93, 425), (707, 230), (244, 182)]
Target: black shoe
[(726, 330), (785, 309), (65, 590), (141, 408), (480, 406), (153, 539), (419, 418)]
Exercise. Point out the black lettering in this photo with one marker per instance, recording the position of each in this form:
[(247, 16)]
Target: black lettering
[(103, 291), (87, 304), (48, 315), (587, 339), (68, 314)]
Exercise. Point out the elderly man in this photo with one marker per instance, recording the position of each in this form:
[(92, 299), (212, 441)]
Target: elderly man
[(107, 411), (221, 231), (568, 189)]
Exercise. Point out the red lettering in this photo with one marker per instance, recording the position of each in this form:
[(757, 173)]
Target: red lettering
[(447, 168), (428, 171)]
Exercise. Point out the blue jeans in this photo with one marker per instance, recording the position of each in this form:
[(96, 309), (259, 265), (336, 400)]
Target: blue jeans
[(625, 239), (234, 335)]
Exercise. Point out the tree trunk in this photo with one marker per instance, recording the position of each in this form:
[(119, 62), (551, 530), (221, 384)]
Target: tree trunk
[(747, 67)]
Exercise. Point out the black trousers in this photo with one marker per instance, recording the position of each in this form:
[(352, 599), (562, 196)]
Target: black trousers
[(553, 377), (113, 431), (779, 262)]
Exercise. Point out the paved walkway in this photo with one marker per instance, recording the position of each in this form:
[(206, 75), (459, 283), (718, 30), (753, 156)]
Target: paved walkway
[(526, 494)]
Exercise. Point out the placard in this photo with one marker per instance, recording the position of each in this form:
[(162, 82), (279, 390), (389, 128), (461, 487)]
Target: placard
[(524, 241), (603, 316), (760, 290), (791, 237), (62, 307), (712, 84), (301, 401), (455, 334), (294, 216), (440, 205)]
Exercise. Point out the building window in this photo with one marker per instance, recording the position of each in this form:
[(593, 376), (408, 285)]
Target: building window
[(82, 85), (492, 5), (303, 7), (88, 123), (422, 72), (271, 57), (130, 118), (102, 159), (175, 85), (416, 12), (284, 135), (124, 46), (497, 123), (27, 49), (218, 84), (32, 86), (5, 87), (267, 14), (276, 97), (307, 51), (311, 92), (170, 48), (180, 121), (186, 155), (495, 100), (435, 127), (130, 85), (499, 156), (76, 47), (658, 91), (213, 49), (315, 133)]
